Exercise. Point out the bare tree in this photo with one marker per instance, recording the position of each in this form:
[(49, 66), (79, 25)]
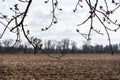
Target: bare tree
[(50, 46), (0, 45), (65, 45), (7, 42), (74, 46), (98, 48), (95, 8), (37, 43), (59, 47)]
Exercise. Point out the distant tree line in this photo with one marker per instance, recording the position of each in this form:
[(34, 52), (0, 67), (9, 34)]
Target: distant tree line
[(53, 46)]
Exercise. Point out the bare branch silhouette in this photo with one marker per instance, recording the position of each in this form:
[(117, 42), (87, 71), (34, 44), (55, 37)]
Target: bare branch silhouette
[(94, 9), (105, 12), (54, 20)]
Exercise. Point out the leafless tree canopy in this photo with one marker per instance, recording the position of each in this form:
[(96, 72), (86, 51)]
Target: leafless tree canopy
[(96, 12)]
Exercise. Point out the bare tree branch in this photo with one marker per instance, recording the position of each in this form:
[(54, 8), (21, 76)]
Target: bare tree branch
[(95, 9), (93, 12)]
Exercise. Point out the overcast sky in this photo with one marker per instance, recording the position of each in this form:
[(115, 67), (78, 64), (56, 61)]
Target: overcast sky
[(39, 16)]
